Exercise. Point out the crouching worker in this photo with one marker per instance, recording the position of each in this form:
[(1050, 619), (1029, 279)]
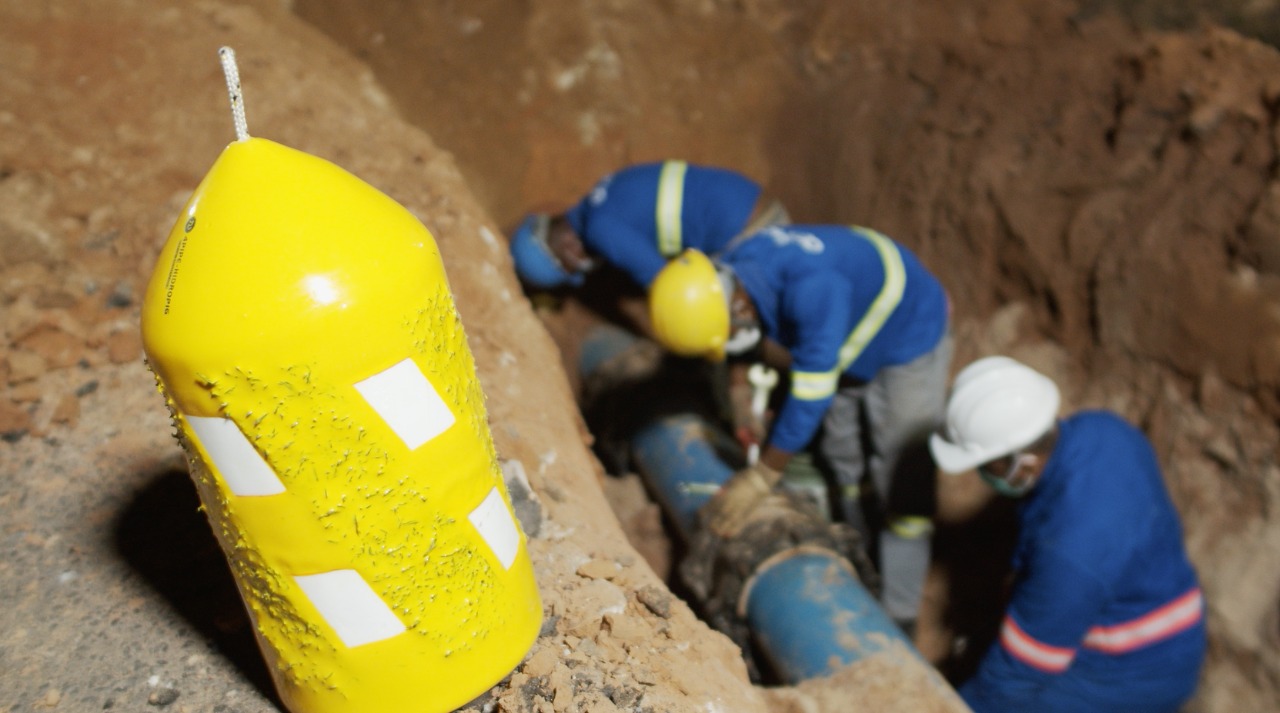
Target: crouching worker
[(1105, 613), (861, 327)]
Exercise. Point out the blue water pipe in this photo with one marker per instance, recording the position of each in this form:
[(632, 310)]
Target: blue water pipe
[(806, 608), (602, 344), (811, 615), (675, 456)]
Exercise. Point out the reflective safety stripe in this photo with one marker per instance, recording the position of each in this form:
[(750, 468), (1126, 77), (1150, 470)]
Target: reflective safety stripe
[(1050, 659), (911, 527), (813, 385), (817, 385), (1170, 619), (895, 282), (670, 205)]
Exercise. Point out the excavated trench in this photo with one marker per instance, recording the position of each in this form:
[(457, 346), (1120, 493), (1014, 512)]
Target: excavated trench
[(1099, 198)]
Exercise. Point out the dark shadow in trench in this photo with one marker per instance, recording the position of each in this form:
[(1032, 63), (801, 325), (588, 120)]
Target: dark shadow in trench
[(165, 538), (976, 556)]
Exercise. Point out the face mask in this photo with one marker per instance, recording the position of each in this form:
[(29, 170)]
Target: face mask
[(742, 341), (744, 330), (1011, 486)]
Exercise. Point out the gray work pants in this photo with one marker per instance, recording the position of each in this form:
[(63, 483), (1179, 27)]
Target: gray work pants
[(881, 429)]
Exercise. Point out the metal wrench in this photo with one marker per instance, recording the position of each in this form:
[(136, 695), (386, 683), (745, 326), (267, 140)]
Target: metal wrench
[(762, 380)]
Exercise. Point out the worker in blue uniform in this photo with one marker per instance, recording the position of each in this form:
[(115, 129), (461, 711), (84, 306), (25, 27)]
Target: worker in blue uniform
[(1105, 613), (638, 218), (862, 329)]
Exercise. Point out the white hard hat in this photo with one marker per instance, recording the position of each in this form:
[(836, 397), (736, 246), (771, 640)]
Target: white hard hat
[(997, 406)]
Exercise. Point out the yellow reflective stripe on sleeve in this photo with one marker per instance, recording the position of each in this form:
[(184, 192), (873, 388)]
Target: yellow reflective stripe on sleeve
[(812, 386), (670, 205), (911, 527), (895, 281)]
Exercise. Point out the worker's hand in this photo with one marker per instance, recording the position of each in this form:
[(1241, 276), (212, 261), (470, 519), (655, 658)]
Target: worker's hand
[(731, 507), (748, 426)]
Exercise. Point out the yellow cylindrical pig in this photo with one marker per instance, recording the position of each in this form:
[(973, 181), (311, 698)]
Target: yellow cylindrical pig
[(301, 328)]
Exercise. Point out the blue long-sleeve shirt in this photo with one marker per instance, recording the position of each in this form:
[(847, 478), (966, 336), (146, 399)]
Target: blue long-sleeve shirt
[(843, 301), (641, 216), (1106, 612)]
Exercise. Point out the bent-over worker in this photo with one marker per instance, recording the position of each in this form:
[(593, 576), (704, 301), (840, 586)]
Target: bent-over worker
[(862, 328), (636, 219)]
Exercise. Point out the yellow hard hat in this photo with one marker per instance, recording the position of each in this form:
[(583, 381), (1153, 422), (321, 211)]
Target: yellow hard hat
[(689, 307)]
